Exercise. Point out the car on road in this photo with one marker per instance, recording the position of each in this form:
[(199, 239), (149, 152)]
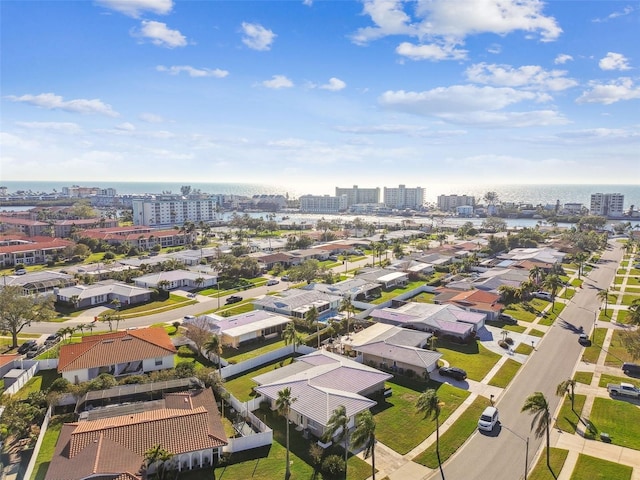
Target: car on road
[(508, 319), (189, 317), (631, 368), (272, 281), (453, 372), (233, 299), (26, 346), (20, 271), (489, 419), (583, 339)]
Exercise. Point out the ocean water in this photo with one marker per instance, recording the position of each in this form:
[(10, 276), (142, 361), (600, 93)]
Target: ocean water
[(535, 194)]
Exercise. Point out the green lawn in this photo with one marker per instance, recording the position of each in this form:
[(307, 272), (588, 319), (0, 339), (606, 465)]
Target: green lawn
[(617, 353), (400, 426), (605, 378), (455, 435), (505, 374), (618, 418), (48, 445), (584, 377), (474, 358), (536, 333), (385, 296), (567, 419), (557, 457), (524, 349), (40, 381), (628, 299), (241, 387), (424, 297), (253, 350), (591, 468), (550, 315), (592, 352), (526, 311)]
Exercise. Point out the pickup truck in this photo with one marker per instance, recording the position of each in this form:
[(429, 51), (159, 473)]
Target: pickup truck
[(625, 389)]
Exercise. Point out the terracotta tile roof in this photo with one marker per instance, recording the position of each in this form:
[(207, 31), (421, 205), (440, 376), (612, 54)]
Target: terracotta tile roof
[(50, 243), (115, 347), (113, 448), (8, 358)]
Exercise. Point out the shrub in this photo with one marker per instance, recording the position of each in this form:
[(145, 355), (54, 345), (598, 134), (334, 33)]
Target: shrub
[(503, 344), (509, 340), (134, 379), (333, 465), (59, 385), (185, 370), (315, 453)]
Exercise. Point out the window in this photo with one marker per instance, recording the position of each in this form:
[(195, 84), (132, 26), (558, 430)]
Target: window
[(158, 362)]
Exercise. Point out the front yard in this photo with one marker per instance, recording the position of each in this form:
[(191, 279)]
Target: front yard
[(474, 358)]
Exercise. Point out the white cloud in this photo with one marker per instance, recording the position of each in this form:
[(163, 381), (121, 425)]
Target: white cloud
[(150, 118), (257, 37), (615, 91), (62, 127), (399, 129), (334, 85), (562, 59), (51, 101), (430, 52), (449, 22), (133, 8), (192, 71), (625, 11), (527, 76), (308, 3), (160, 34), (278, 81), (614, 61), (494, 48), (126, 126)]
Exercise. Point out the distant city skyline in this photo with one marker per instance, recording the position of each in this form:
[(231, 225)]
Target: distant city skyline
[(318, 94)]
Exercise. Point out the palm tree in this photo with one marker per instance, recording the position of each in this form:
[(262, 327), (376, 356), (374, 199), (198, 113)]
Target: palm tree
[(312, 317), (552, 283), (290, 335), (429, 405), (214, 345), (633, 315), (283, 404), (537, 405), (338, 429), (347, 306), (568, 386), (604, 296), (157, 454), (364, 435), (580, 258), (535, 273)]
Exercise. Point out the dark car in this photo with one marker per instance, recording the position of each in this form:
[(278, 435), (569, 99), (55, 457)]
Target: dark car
[(583, 339), (453, 372), (632, 369), (233, 299), (508, 319), (26, 346), (53, 338)]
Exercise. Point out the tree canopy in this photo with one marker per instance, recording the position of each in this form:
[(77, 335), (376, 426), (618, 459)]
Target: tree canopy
[(18, 311)]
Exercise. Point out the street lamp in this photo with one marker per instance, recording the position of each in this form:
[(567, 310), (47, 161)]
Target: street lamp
[(218, 284), (491, 399)]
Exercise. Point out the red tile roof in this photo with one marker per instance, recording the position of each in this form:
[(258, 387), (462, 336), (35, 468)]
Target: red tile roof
[(50, 243), (115, 347)]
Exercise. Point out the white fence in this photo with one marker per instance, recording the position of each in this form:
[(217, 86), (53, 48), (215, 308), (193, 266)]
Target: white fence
[(22, 379), (236, 369), (48, 364), (36, 449)]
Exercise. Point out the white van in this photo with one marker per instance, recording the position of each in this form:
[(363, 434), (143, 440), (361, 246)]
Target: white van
[(488, 419)]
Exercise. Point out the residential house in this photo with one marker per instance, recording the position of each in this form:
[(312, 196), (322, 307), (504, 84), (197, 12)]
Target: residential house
[(385, 277), (112, 442), (44, 281), (31, 251), (353, 288), (85, 296), (176, 279), (246, 327), (480, 301), (321, 382), (121, 353), (296, 303)]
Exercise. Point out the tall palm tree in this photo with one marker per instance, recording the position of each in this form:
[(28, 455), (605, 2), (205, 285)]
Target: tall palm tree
[(567, 386), (312, 317), (347, 306), (214, 345), (338, 429), (429, 405), (364, 435), (290, 335), (535, 273), (604, 295), (580, 258), (537, 405), (283, 404), (553, 283)]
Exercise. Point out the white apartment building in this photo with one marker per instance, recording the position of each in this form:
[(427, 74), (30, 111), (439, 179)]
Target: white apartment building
[(607, 204), (403, 197), (447, 203), (357, 195), (170, 210), (322, 204)]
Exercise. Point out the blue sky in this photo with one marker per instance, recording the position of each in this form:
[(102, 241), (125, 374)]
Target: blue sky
[(320, 94)]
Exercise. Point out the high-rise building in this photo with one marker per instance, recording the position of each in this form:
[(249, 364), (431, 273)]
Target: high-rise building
[(357, 195), (323, 204), (170, 210), (607, 204), (403, 197), (447, 203)]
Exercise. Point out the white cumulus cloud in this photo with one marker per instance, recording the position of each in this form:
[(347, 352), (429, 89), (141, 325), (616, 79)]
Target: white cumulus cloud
[(334, 85), (614, 61), (192, 71), (278, 81), (257, 37), (430, 52), (527, 76), (159, 34), (150, 118), (51, 101), (61, 127), (615, 91), (133, 8), (562, 59)]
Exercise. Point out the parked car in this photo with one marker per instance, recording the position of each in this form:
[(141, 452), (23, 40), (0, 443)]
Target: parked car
[(631, 368), (543, 295), (285, 278), (625, 389), (583, 339), (453, 372), (488, 419), (233, 299), (34, 352), (508, 319), (26, 346), (189, 317), (20, 271), (272, 281), (333, 258), (53, 338)]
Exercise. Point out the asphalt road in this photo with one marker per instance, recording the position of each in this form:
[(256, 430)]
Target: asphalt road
[(501, 454)]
